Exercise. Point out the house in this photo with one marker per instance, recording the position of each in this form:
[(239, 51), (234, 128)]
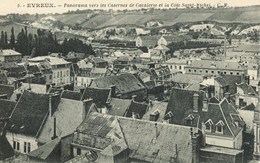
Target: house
[(85, 76), (118, 139), (214, 68), (245, 95), (220, 121), (60, 68), (8, 55), (27, 119), (146, 41), (177, 65), (126, 85), (65, 119)]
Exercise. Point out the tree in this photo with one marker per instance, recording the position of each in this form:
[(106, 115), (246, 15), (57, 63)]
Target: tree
[(12, 40), (5, 40), (2, 42)]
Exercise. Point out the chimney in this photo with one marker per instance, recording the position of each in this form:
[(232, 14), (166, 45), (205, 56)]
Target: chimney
[(195, 102), (86, 107), (133, 115), (134, 97), (54, 129), (52, 97), (50, 106), (113, 90), (196, 143), (247, 79), (227, 96), (156, 133), (205, 104)]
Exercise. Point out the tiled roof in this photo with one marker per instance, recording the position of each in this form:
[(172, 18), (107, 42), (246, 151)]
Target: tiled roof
[(156, 106), (69, 115), (99, 95), (137, 108), (45, 151), (106, 128), (6, 149), (119, 106), (247, 89), (6, 89), (181, 105), (137, 136), (8, 52), (218, 65), (73, 95), (232, 82), (29, 114), (221, 81), (124, 83), (176, 38), (140, 137), (6, 108)]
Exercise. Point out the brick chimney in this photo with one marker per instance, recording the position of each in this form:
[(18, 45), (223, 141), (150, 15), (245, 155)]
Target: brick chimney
[(86, 107), (195, 102), (196, 144)]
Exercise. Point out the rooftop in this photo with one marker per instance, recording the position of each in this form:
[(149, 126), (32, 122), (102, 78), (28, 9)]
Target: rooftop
[(8, 52)]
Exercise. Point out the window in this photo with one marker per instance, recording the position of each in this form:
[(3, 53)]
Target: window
[(231, 73), (238, 73), (175, 67), (58, 74), (212, 72), (218, 72), (180, 67), (78, 151), (171, 66), (25, 147), (189, 70), (14, 144), (50, 76), (219, 128), (195, 70), (29, 147), (17, 146), (208, 125), (206, 71), (225, 72), (61, 74)]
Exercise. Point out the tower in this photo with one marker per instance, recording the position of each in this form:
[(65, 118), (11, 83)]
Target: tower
[(256, 122)]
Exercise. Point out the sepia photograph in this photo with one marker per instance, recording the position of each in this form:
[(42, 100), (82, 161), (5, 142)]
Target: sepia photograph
[(129, 81)]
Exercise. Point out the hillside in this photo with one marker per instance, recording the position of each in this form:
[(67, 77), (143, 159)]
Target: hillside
[(165, 17)]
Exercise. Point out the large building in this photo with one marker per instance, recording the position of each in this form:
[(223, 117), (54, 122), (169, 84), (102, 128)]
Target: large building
[(60, 68), (9, 55), (214, 68)]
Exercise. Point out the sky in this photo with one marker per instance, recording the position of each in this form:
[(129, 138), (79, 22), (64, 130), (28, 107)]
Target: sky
[(11, 6)]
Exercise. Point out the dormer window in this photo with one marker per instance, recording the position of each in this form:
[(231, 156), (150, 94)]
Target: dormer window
[(189, 119), (219, 127), (208, 125)]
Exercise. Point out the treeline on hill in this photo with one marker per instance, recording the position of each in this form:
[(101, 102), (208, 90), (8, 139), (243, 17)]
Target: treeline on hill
[(189, 45), (42, 43)]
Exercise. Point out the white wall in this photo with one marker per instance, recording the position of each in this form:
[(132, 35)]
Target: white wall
[(219, 141), (21, 139)]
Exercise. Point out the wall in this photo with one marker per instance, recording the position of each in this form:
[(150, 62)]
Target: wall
[(21, 139), (219, 141), (58, 79), (238, 140)]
